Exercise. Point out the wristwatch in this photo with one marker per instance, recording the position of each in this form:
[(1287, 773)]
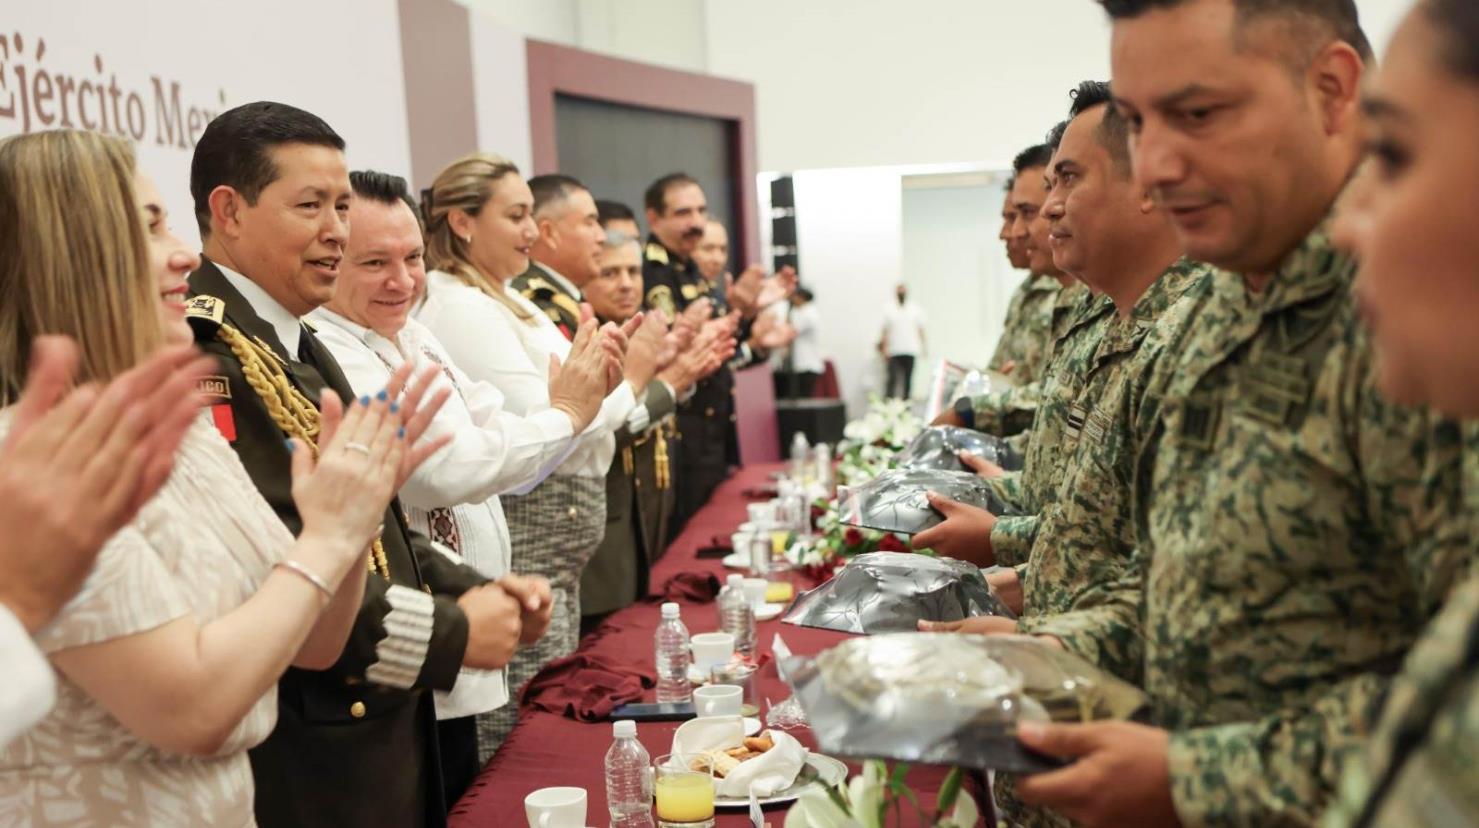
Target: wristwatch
[(965, 412)]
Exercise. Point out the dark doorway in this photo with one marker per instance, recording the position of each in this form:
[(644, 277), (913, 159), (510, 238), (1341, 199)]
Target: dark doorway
[(617, 150)]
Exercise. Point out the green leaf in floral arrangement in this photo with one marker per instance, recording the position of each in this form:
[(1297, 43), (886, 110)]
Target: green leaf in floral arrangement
[(949, 791), (896, 779)]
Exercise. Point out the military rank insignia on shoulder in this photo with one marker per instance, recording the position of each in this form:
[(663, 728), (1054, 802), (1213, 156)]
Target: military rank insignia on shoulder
[(206, 315), (661, 298), (656, 253)]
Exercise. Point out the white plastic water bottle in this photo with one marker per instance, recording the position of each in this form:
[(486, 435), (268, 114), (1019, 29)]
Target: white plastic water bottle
[(673, 656), (800, 449), (628, 779), (736, 616)]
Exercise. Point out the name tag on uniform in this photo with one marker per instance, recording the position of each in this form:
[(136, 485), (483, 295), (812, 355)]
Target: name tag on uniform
[(1096, 427)]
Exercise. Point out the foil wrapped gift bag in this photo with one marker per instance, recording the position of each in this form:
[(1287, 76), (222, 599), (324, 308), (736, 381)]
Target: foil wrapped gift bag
[(939, 447), (895, 501), (883, 592), (950, 699)]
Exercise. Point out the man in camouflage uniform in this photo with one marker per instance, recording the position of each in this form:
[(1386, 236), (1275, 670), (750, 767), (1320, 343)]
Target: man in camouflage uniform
[(1009, 412), (1295, 530), (1027, 330)]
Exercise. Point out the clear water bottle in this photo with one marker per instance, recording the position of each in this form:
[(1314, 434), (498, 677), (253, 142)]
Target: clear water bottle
[(736, 616), (800, 449), (628, 779), (672, 657)]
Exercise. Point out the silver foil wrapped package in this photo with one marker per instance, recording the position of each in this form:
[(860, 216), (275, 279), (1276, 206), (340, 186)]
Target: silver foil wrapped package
[(940, 698), (939, 447), (895, 501), (882, 592)]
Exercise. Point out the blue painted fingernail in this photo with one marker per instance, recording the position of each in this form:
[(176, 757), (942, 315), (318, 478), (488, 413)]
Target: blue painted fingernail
[(394, 407), (382, 396), (291, 446), (364, 400), (401, 432)]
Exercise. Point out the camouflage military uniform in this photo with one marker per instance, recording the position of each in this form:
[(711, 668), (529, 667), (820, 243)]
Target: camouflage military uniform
[(1027, 330), (1295, 533), (1418, 768), (1086, 533), (1009, 411), (1026, 493)]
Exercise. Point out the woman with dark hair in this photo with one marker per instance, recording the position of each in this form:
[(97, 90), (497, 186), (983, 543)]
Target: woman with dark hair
[(1411, 222)]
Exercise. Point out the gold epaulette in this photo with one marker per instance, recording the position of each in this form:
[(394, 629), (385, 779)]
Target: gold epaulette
[(656, 253)]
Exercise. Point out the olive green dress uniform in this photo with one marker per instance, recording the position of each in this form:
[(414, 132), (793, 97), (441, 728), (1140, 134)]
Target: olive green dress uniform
[(1418, 768), (1008, 412), (545, 291), (617, 575), (707, 444), (1295, 534), (1027, 331), (355, 744)]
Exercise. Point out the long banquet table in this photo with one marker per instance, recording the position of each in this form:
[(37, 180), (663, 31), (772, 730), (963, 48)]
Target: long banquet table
[(548, 749)]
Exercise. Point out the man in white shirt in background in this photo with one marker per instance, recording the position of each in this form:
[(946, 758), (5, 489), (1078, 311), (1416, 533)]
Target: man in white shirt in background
[(75, 467), (803, 360), (903, 340), (453, 496)]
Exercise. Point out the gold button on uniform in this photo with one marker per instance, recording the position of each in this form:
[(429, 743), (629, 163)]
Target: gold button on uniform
[(357, 710), (573, 512), (708, 412)]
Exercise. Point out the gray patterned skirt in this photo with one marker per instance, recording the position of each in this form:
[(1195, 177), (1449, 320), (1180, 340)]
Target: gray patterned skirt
[(554, 530)]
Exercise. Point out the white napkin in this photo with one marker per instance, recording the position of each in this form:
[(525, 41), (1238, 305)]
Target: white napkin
[(766, 775)]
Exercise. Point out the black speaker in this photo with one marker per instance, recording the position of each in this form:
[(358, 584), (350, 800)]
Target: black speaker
[(783, 231), (782, 192)]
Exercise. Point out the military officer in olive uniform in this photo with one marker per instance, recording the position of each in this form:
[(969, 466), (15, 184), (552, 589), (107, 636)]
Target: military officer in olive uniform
[(673, 278), (640, 477), (355, 744)]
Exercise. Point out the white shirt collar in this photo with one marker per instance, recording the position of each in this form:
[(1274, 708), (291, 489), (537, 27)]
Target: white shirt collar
[(287, 326), (568, 285)]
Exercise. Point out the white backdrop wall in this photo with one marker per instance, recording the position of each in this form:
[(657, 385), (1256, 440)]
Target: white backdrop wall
[(843, 83), (157, 71)]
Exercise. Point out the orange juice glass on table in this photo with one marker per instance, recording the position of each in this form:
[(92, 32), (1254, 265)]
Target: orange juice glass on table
[(685, 797)]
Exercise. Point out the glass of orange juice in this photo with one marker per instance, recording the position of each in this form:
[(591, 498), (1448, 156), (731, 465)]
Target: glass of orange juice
[(685, 795)]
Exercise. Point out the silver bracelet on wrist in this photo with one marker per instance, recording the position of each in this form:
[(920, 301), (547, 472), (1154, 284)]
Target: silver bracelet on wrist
[(306, 574)]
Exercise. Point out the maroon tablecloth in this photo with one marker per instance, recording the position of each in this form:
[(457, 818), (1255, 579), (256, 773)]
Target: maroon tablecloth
[(547, 749)]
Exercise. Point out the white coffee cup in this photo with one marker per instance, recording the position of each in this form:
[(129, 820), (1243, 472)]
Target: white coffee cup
[(556, 808), (755, 591), (741, 543), (718, 700), (711, 649), (762, 514)]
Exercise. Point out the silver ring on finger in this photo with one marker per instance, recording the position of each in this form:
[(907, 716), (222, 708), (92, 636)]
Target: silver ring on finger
[(359, 447)]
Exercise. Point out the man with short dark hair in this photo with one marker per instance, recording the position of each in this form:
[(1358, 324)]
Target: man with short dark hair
[(678, 214), (355, 744), (1294, 529), (1076, 534), (616, 217), (563, 258), (1009, 412), (1027, 329)]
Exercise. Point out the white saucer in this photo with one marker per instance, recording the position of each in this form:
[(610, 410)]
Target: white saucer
[(769, 611), (736, 560)]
